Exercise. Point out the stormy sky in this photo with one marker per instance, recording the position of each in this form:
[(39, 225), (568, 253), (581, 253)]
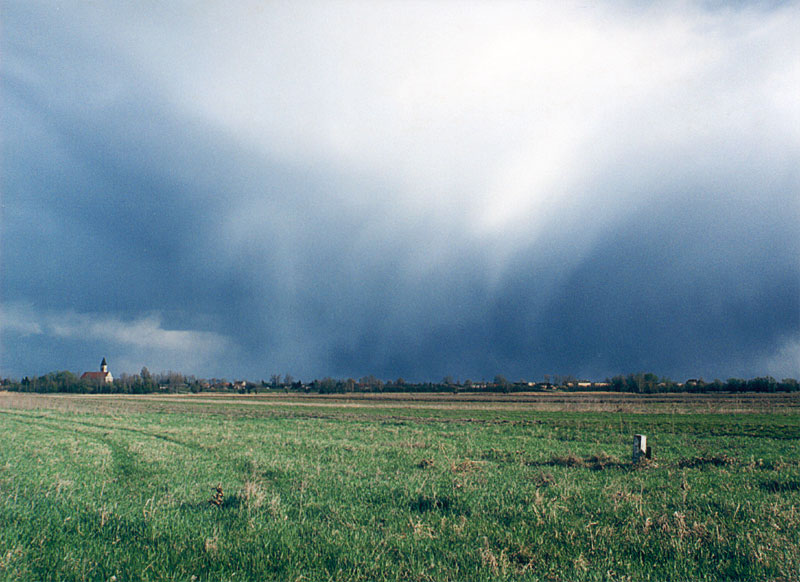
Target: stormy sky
[(412, 189)]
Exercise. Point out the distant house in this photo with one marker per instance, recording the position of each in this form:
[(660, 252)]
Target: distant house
[(102, 377)]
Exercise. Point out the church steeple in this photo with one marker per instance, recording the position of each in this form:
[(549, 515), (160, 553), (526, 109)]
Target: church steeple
[(101, 377)]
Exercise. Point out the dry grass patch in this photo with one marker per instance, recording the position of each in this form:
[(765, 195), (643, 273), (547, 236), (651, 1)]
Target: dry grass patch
[(467, 466), (498, 563), (252, 494), (596, 462), (219, 496), (544, 479), (721, 460), (568, 460), (211, 546), (623, 496), (421, 530), (602, 460)]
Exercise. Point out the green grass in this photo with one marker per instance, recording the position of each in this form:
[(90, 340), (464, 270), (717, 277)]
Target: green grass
[(95, 489)]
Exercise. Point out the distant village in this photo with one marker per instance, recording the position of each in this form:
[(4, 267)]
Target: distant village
[(102, 381)]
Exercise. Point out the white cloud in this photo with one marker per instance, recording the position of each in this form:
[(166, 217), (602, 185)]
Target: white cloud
[(501, 115), (16, 318), (143, 341), (146, 332)]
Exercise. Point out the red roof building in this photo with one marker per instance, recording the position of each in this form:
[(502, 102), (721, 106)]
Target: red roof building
[(103, 376)]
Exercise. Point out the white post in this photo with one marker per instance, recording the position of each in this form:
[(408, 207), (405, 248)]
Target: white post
[(639, 447)]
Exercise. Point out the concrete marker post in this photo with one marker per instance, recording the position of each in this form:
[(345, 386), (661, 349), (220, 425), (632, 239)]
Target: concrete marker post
[(639, 447)]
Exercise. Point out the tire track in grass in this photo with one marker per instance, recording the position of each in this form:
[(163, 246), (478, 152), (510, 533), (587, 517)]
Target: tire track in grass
[(133, 476), (139, 431), (128, 470)]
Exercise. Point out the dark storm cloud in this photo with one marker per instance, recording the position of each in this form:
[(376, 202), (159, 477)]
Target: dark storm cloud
[(696, 289), (303, 189)]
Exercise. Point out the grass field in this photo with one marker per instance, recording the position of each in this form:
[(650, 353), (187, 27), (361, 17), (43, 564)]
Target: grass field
[(449, 487)]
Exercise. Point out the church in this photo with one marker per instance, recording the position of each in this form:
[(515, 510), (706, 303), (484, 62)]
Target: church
[(103, 376)]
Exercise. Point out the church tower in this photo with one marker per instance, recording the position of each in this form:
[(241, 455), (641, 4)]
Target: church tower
[(102, 377)]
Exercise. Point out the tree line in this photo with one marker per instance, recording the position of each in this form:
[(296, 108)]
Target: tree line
[(175, 382), (67, 382)]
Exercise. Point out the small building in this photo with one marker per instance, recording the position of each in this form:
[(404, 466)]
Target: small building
[(102, 377)]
